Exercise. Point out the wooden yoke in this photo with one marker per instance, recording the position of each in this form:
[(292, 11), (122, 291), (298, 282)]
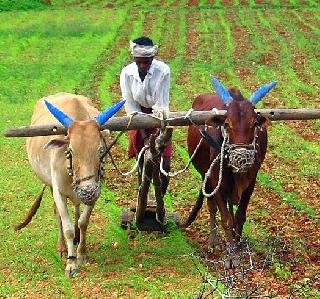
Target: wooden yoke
[(151, 171)]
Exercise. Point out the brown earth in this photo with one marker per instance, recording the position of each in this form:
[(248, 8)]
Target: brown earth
[(295, 230), (298, 236)]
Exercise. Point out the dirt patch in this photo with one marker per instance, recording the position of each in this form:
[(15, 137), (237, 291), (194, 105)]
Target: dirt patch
[(306, 130), (227, 2), (296, 231), (263, 2), (193, 40), (193, 2)]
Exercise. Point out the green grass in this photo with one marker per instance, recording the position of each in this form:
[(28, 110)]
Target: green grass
[(12, 5)]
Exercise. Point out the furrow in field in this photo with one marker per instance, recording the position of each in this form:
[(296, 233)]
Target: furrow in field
[(261, 70), (202, 229), (306, 21), (297, 231), (305, 91), (306, 166)]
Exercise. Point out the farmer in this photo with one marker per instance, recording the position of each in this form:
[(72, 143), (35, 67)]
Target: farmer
[(145, 85)]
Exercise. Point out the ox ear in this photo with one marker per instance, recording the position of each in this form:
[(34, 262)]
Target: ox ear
[(63, 118), (216, 121), (108, 113), (262, 92), (221, 90), (56, 143)]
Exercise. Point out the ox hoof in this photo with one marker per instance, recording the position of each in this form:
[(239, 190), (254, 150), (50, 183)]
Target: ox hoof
[(71, 267), (232, 263), (213, 244), (71, 270)]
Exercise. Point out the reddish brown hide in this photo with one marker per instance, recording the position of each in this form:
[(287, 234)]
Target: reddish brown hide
[(241, 124)]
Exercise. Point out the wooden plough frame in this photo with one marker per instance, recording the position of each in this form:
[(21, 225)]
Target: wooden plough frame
[(150, 217)]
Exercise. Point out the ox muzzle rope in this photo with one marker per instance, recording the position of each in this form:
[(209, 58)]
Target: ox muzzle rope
[(240, 158)]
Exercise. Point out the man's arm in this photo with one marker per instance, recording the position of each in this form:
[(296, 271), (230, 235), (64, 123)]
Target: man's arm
[(162, 93)]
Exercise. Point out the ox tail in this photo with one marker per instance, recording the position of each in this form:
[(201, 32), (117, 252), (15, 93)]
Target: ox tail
[(32, 211), (196, 208)]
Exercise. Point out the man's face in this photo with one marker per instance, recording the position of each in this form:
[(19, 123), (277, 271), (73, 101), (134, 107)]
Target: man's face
[(143, 64)]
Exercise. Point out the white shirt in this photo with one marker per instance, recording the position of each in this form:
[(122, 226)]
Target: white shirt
[(153, 90)]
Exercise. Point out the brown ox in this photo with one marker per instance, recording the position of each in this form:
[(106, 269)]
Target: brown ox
[(71, 165), (242, 134)]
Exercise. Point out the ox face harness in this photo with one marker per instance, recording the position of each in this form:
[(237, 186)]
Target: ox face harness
[(86, 193), (240, 156)]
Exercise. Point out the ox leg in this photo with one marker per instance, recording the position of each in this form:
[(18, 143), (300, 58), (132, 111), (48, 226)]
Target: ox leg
[(226, 218), (241, 214), (83, 224), (227, 221), (61, 244), (76, 226), (213, 242), (68, 232)]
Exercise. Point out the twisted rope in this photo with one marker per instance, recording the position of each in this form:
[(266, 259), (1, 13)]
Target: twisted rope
[(208, 173), (173, 174)]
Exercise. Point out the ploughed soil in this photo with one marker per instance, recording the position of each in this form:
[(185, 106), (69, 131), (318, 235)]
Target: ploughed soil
[(283, 260)]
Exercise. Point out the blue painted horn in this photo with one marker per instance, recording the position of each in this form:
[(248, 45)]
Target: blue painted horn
[(66, 120), (262, 92), (109, 112), (63, 118), (221, 91)]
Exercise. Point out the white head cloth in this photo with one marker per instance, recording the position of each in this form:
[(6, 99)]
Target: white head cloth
[(143, 51)]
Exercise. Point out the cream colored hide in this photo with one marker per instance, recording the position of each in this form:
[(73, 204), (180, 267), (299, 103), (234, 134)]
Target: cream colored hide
[(48, 159)]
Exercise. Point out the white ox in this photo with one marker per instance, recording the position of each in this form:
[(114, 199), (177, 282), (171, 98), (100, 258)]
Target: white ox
[(72, 165)]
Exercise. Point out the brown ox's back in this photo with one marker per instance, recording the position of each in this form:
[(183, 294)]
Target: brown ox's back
[(205, 102)]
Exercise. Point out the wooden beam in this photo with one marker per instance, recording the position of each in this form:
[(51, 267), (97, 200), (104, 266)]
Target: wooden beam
[(142, 121)]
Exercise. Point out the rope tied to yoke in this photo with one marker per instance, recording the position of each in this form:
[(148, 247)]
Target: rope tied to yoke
[(163, 123), (136, 166), (188, 116)]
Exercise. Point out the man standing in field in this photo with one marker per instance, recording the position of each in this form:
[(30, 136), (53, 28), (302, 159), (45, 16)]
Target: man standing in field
[(145, 85)]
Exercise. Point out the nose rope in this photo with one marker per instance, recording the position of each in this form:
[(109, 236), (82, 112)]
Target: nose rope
[(241, 158), (208, 173)]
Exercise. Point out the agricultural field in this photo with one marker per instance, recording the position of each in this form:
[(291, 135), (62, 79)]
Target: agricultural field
[(80, 46)]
